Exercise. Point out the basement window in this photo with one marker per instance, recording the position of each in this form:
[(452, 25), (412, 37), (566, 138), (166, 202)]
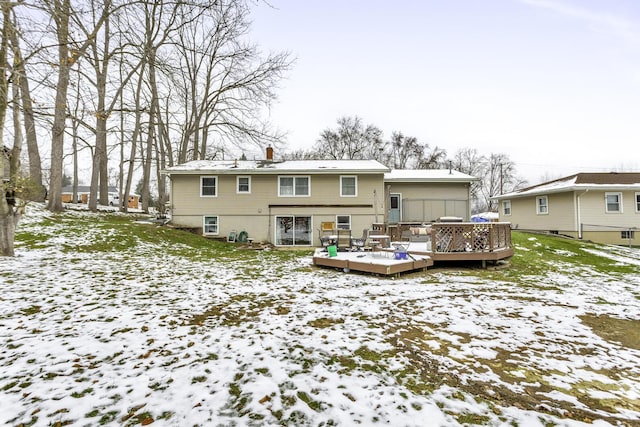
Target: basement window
[(210, 225)]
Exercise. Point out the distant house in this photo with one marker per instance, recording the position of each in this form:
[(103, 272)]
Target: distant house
[(426, 195), (283, 202), (83, 196), (602, 207)]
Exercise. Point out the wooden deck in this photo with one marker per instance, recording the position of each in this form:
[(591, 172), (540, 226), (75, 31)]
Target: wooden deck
[(466, 241), (377, 262), (471, 241), (460, 241)]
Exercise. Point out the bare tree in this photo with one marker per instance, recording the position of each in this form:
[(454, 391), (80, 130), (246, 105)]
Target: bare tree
[(10, 211), (101, 57), (351, 140), (222, 80), (20, 78), (187, 82), (60, 12), (406, 150), (499, 177), (432, 158)]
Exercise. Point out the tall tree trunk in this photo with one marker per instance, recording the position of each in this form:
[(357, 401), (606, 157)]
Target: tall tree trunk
[(124, 202), (134, 137), (35, 164), (61, 14), (74, 193), (99, 175), (62, 9), (146, 175), (14, 163), (9, 216)]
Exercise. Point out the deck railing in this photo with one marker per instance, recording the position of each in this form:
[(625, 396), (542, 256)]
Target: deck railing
[(470, 236)]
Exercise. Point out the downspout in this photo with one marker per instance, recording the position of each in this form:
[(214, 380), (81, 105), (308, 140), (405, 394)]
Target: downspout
[(469, 202), (375, 204), (579, 213)]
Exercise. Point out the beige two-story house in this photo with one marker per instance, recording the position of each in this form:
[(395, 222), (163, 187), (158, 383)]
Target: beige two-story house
[(602, 207), (282, 202)]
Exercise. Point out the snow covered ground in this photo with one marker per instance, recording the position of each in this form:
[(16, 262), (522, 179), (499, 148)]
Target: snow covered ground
[(148, 335)]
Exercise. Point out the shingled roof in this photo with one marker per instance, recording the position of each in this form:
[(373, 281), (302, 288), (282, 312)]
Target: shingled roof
[(581, 181), (624, 178)]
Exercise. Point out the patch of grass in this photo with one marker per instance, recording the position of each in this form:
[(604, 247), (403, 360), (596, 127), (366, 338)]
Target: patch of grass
[(537, 253), (238, 310), (263, 371), (621, 331), (92, 413), (472, 419), (240, 399), (311, 403), (325, 322), (199, 379), (9, 385), (108, 417), (79, 394), (34, 309)]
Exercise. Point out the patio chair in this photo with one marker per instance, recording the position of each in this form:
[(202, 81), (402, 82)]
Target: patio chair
[(359, 242), (344, 239), (371, 242), (327, 237)]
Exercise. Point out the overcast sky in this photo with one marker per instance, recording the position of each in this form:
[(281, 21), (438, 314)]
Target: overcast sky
[(554, 84)]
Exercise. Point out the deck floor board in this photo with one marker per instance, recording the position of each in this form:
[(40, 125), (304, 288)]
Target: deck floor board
[(378, 262)]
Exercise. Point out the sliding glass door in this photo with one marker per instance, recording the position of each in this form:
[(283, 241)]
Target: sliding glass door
[(293, 231)]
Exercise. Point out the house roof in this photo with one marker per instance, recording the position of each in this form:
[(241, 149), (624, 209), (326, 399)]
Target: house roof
[(427, 175), (604, 181), (236, 167)]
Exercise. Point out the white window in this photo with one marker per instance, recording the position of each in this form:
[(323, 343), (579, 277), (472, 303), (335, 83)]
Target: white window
[(506, 207), (638, 202), (613, 202), (210, 225), (348, 186), (243, 185), (343, 222), (294, 186), (542, 205), (208, 186), (627, 234)]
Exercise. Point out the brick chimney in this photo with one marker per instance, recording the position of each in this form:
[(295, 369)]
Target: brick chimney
[(270, 153)]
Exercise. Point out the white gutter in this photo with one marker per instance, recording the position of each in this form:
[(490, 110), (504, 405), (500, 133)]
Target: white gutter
[(579, 219)]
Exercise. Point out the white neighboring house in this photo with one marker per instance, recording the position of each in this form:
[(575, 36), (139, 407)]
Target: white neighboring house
[(602, 207)]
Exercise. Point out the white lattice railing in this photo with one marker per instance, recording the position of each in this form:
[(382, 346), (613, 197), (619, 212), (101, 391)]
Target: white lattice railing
[(470, 236)]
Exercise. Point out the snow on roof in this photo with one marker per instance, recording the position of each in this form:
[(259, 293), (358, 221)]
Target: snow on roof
[(578, 182), (268, 167), (427, 175)]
